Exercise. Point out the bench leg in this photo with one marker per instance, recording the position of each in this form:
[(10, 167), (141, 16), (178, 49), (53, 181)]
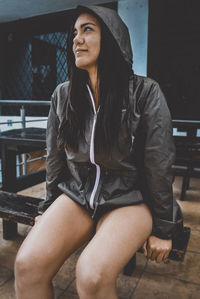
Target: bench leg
[(130, 267), (9, 229), (186, 183), (184, 188), (188, 177)]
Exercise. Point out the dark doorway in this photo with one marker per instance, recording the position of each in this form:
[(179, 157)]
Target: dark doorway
[(173, 57)]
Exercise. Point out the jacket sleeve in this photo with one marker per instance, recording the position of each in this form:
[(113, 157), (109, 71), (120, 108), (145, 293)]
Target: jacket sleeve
[(56, 164), (159, 155)]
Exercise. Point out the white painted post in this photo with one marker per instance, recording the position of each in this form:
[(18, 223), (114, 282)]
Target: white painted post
[(135, 14)]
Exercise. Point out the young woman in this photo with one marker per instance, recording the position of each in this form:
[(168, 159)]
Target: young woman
[(110, 151)]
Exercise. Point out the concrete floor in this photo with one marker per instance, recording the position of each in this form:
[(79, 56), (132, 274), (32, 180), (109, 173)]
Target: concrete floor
[(174, 280)]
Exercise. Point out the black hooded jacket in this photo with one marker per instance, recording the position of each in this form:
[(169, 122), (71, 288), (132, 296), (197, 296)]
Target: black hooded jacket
[(140, 172)]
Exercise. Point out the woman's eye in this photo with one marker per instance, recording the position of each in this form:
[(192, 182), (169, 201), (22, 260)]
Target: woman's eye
[(88, 28)]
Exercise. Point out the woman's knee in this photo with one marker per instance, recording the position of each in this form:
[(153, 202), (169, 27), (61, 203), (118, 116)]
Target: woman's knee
[(91, 278), (29, 268)]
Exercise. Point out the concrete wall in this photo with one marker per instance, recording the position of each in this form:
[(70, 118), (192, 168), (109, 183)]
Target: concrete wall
[(12, 10)]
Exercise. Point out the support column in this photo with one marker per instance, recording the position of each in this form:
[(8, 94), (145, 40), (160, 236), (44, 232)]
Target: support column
[(135, 14)]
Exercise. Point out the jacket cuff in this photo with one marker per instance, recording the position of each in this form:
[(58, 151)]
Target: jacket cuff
[(163, 229)]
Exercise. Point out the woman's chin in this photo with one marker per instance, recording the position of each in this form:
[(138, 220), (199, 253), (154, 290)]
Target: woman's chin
[(80, 64)]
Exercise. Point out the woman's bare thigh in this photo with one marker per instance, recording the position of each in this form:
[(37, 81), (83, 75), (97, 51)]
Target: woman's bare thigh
[(120, 233), (63, 228)]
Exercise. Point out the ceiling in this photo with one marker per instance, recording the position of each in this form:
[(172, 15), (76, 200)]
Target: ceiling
[(14, 10)]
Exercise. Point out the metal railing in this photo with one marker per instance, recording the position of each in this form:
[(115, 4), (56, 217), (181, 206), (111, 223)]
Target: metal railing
[(23, 121), (23, 103)]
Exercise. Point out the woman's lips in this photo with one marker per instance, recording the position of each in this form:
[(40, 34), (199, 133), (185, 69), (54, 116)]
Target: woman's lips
[(80, 50)]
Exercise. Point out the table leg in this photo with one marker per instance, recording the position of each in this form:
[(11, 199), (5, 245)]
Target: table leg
[(8, 184), (9, 229)]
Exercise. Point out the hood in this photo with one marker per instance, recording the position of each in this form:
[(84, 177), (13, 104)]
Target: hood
[(115, 26)]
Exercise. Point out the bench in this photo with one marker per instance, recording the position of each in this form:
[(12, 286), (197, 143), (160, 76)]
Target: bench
[(14, 143), (16, 208), (23, 209)]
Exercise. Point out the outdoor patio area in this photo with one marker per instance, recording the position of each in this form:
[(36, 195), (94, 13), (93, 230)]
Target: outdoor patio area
[(173, 280)]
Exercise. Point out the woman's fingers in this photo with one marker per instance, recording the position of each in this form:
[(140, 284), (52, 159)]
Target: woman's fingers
[(144, 248), (155, 253), (160, 257), (166, 255), (149, 251)]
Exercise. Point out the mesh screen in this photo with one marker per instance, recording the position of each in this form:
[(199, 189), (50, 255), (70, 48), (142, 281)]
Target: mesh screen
[(34, 67)]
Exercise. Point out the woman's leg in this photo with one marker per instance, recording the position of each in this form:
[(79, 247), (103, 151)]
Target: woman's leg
[(63, 228), (120, 233)]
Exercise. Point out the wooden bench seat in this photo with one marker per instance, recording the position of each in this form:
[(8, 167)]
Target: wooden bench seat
[(18, 208)]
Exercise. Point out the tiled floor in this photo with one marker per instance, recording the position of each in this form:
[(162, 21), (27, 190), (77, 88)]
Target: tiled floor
[(174, 280)]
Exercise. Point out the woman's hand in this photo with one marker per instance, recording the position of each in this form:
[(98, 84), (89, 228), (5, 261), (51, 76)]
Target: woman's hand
[(157, 249), (37, 219)]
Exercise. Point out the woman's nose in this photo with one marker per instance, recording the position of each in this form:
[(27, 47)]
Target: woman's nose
[(78, 39)]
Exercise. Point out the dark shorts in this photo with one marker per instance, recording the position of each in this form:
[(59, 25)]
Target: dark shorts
[(101, 210), (103, 204)]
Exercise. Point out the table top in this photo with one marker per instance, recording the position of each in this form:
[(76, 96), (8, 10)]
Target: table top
[(190, 127), (186, 123), (29, 138)]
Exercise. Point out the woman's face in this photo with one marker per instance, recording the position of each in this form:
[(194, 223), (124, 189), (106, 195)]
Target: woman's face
[(86, 42)]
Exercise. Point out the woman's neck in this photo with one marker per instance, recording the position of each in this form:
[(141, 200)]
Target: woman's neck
[(94, 84)]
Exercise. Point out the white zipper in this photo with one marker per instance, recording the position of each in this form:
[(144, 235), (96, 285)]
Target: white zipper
[(92, 152)]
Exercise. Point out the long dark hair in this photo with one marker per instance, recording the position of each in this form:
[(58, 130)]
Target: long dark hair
[(114, 74)]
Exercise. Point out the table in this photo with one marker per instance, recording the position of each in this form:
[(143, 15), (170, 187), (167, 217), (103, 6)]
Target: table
[(188, 143), (187, 150), (188, 126), (12, 143)]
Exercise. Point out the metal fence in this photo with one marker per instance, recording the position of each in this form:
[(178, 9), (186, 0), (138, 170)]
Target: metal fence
[(35, 65)]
